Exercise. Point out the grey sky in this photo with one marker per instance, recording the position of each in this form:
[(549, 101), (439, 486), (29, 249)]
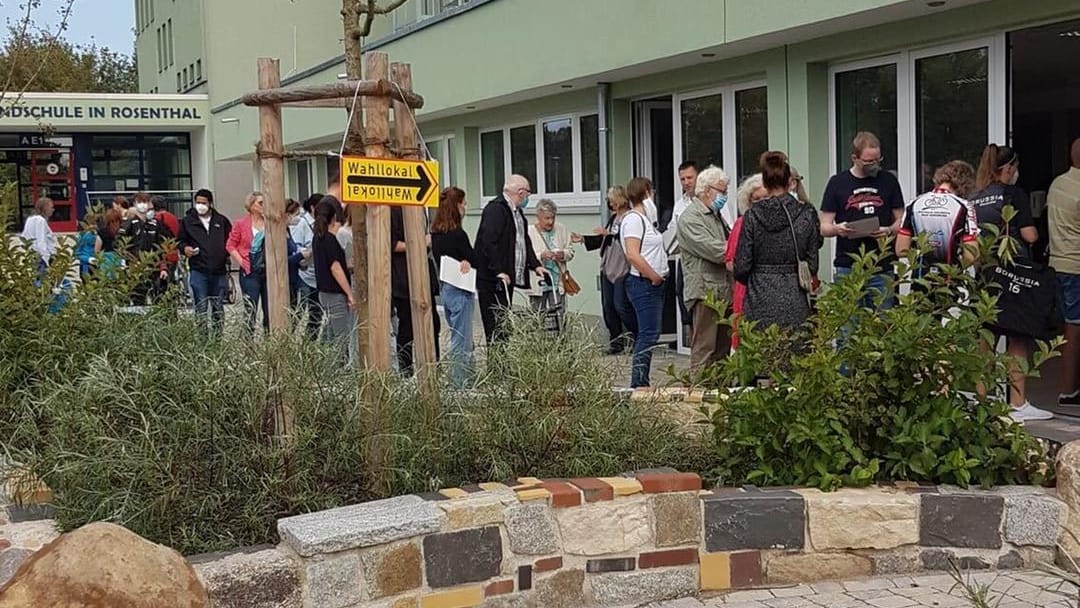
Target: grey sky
[(109, 23)]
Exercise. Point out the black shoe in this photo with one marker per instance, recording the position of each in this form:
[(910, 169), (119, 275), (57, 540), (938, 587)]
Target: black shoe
[(615, 350), (1072, 400)]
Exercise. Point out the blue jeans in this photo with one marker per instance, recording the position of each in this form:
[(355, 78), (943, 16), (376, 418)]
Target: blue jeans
[(876, 284), (618, 313), (254, 289), (648, 302), (458, 305), (308, 301), (208, 292)]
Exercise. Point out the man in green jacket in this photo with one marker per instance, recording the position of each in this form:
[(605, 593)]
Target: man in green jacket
[(702, 236)]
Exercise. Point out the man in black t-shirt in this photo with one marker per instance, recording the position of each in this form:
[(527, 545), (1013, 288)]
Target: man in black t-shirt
[(861, 192)]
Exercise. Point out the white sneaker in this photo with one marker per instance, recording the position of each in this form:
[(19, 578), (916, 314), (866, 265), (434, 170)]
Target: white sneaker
[(1029, 412)]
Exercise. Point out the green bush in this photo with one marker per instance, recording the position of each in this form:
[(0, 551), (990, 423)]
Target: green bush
[(903, 408), (140, 420)]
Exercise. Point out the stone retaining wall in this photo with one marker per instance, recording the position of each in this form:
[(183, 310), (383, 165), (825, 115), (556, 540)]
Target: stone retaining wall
[(614, 541)]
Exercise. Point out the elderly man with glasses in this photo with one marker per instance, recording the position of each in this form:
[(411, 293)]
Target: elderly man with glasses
[(504, 254)]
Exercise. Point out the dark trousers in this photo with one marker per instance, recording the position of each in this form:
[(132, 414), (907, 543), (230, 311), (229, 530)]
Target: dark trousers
[(618, 313), (253, 286), (494, 303), (208, 296), (405, 334), (308, 301)]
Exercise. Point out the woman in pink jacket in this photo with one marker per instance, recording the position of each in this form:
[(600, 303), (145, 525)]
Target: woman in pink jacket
[(246, 247)]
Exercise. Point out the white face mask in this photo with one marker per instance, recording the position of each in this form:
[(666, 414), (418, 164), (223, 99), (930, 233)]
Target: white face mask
[(141, 207), (294, 220), (202, 208), (1015, 177), (150, 214)]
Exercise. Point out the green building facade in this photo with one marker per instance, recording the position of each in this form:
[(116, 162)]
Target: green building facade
[(579, 94)]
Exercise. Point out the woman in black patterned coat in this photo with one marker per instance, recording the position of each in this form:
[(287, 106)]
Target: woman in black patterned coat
[(766, 260)]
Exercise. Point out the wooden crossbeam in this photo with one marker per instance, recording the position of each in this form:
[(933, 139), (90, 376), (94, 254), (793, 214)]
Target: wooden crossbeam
[(333, 91)]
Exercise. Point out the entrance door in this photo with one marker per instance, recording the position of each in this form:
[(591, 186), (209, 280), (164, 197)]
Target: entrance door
[(51, 175), (654, 158), (1045, 112)]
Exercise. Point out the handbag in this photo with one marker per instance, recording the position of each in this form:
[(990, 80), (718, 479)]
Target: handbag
[(569, 285), (806, 280), (1027, 300)]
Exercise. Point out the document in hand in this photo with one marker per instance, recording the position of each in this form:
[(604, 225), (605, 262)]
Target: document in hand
[(450, 273)]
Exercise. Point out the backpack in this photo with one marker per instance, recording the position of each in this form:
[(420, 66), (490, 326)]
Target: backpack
[(613, 263)]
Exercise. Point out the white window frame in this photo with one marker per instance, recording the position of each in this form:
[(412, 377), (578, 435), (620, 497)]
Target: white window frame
[(440, 147), (729, 130), (578, 198), (905, 60)]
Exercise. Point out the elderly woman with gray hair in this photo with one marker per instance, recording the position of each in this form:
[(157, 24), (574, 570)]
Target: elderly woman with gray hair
[(703, 242), (552, 246)]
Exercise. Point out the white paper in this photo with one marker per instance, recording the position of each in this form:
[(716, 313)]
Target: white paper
[(450, 272)]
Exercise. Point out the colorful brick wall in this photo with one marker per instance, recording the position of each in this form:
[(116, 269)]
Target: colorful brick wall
[(623, 540)]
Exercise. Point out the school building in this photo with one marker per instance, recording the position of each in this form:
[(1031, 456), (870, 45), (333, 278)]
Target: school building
[(581, 94)]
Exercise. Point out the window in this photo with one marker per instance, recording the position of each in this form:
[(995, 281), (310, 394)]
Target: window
[(160, 53), (441, 149), (751, 129), (150, 3), (590, 153), (942, 84), (492, 163), (866, 101), (558, 156), (172, 57), (523, 153), (138, 15), (303, 179), (157, 163), (185, 78), (703, 130), (910, 100), (198, 70), (178, 83), (727, 127)]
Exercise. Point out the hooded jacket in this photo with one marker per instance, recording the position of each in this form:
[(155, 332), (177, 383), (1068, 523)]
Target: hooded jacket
[(212, 256), (766, 260)]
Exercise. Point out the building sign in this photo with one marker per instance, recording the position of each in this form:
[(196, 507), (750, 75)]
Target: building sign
[(384, 181), (92, 112), (42, 141)]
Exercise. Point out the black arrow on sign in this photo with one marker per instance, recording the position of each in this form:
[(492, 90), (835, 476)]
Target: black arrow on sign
[(423, 181)]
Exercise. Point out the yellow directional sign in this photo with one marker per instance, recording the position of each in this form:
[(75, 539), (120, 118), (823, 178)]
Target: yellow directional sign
[(386, 181)]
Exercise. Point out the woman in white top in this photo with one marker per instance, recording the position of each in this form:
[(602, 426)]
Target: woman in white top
[(552, 246), (644, 248), (37, 231)]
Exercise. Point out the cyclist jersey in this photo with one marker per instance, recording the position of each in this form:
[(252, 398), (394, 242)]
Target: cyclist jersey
[(948, 220)]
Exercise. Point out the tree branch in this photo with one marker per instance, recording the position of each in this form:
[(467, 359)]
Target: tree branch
[(54, 39)]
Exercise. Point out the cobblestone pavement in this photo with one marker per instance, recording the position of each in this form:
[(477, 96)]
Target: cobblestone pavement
[(1007, 589)]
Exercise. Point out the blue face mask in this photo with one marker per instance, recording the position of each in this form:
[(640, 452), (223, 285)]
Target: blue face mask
[(525, 202), (719, 202)]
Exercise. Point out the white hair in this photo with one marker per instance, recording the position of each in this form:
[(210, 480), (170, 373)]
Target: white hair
[(711, 177), (746, 190), (546, 205), (514, 182)]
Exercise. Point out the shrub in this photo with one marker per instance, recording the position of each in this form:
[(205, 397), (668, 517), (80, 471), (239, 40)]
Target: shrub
[(859, 395), (140, 420)]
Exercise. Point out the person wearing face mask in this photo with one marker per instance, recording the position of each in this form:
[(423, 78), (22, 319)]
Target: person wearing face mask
[(293, 255), (504, 254), (703, 239), (141, 233), (203, 233), (861, 192), (778, 251)]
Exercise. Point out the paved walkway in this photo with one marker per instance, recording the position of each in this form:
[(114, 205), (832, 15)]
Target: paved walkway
[(1007, 589)]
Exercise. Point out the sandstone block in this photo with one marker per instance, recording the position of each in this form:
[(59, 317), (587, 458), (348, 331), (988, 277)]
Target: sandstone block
[(968, 520), (263, 579), (465, 597), (468, 556), (788, 568), (620, 526), (677, 517), (108, 563), (862, 519), (472, 511), (715, 571), (363, 525), (531, 529), (643, 586), (391, 569), (564, 589)]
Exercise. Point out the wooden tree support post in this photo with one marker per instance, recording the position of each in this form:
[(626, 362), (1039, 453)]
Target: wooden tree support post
[(377, 128), (272, 171), (416, 250)]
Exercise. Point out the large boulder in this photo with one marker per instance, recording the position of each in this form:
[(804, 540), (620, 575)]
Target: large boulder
[(104, 566), (1068, 486)]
